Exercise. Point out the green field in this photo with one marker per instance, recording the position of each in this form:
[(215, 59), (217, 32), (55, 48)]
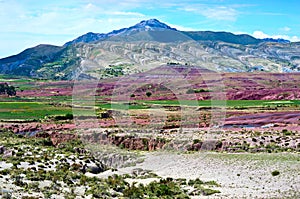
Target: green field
[(30, 110), (228, 103), (8, 78), (38, 110), (122, 106)]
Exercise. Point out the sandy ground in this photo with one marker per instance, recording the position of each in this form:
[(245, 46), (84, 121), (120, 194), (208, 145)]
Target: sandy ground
[(240, 175)]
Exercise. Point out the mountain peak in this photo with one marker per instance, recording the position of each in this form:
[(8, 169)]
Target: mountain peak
[(152, 23), (145, 25)]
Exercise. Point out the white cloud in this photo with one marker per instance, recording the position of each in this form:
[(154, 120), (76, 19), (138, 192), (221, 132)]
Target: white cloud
[(182, 28), (286, 29), (240, 33), (261, 35), (127, 14), (90, 6), (58, 21), (219, 13)]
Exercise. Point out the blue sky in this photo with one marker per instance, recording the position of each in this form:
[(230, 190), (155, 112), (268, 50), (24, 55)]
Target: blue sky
[(26, 23)]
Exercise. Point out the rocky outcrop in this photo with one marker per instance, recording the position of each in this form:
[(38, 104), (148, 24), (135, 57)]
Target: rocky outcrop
[(126, 141), (57, 138), (207, 145), (137, 143)]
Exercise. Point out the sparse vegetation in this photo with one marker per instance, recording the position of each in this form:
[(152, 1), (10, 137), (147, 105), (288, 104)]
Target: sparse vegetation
[(68, 174)]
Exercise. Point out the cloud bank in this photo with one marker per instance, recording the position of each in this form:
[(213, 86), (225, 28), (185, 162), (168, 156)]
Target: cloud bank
[(261, 35)]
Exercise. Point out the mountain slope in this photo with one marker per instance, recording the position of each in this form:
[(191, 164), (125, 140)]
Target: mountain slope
[(29, 60), (222, 36), (147, 45)]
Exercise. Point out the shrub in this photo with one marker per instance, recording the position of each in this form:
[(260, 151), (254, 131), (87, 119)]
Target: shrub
[(4, 172), (6, 196), (275, 173), (286, 132), (201, 90), (67, 116), (208, 192), (6, 89), (148, 94)]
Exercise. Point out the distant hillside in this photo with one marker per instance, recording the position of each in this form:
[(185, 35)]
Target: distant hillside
[(149, 44), (222, 36), (29, 60), (276, 40)]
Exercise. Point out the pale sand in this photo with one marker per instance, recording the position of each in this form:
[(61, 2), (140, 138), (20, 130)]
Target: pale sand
[(254, 180)]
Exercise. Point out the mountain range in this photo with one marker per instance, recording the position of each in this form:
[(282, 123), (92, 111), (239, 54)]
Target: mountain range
[(148, 45)]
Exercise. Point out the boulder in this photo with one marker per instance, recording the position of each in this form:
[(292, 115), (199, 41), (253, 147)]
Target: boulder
[(2, 149), (195, 147), (93, 168), (209, 145), (80, 150), (8, 153)]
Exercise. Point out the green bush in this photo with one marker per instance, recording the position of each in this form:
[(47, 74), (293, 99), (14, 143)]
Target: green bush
[(201, 90), (208, 192), (67, 116), (275, 173), (148, 94)]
